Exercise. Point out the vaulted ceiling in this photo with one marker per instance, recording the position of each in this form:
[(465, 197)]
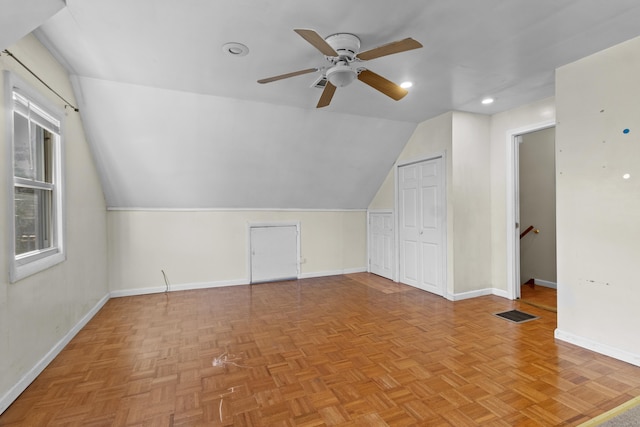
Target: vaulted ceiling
[(175, 121)]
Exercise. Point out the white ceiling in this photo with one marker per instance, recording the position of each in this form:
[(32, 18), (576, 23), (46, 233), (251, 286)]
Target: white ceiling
[(20, 17), (176, 122)]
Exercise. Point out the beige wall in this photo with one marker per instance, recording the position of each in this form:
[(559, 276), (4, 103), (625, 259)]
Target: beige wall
[(211, 247), (38, 311), (537, 183), (597, 210), (464, 140), (471, 205)]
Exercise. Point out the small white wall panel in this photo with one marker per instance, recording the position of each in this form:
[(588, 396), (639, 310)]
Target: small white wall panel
[(274, 253)]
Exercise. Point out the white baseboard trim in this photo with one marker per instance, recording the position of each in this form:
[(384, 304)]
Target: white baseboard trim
[(332, 272), (178, 287), (477, 293), (30, 376), (221, 283), (545, 283), (500, 293), (583, 342), (470, 294)]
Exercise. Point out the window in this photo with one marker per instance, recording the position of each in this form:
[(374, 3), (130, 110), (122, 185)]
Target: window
[(36, 172)]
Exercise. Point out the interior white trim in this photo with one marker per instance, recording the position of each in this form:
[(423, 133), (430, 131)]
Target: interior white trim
[(513, 236), (177, 287), (333, 272), (545, 283), (477, 293), (589, 344), (31, 375), (134, 209), (29, 265)]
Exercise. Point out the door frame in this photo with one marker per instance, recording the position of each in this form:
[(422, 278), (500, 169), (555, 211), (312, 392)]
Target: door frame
[(513, 203), (445, 251), (251, 225)]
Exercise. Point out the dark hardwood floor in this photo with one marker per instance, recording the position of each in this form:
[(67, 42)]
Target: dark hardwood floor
[(352, 350)]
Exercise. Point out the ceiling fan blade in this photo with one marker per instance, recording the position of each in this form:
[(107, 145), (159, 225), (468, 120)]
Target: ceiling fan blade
[(381, 84), (317, 41), (390, 48), (286, 76), (326, 96)]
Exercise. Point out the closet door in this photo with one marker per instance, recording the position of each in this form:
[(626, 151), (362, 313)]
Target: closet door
[(421, 201), (274, 253), (381, 251)]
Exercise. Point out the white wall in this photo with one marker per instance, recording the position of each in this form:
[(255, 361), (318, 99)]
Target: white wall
[(36, 313), (598, 212), (209, 248), (502, 125)]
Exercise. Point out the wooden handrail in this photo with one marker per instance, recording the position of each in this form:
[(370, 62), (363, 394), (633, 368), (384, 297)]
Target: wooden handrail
[(528, 230)]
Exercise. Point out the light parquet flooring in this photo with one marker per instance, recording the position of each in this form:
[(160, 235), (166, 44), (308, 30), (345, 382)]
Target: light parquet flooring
[(342, 350), (539, 296)]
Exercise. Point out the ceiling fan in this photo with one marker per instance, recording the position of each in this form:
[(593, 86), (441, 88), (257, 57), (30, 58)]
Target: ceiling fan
[(342, 51)]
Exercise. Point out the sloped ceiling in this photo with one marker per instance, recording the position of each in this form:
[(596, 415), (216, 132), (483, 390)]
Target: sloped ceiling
[(175, 122), (19, 17)]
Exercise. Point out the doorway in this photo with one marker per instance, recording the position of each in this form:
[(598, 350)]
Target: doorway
[(537, 218), (422, 225), (513, 141)]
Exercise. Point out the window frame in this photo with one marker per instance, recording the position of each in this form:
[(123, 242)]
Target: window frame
[(29, 263)]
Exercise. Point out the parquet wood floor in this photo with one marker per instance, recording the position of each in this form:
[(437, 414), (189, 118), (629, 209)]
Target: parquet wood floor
[(316, 352), (539, 296)]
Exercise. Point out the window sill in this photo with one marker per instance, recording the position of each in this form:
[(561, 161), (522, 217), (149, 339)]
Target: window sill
[(24, 267)]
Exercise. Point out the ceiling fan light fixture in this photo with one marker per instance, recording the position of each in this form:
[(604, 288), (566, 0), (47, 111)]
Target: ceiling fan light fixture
[(341, 75)]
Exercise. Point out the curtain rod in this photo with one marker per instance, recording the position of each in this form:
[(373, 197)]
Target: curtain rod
[(67, 103)]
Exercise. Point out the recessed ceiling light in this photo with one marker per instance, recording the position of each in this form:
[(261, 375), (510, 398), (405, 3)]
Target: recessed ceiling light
[(487, 101), (626, 176), (406, 85), (235, 49)]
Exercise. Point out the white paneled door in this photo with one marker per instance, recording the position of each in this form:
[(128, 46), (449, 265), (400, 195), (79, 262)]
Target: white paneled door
[(422, 221), (274, 253), (381, 252)]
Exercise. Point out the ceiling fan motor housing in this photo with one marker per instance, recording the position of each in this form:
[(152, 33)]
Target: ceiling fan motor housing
[(346, 45)]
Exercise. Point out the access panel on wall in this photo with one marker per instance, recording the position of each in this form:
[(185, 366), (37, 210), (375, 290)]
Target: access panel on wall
[(274, 252), (422, 225)]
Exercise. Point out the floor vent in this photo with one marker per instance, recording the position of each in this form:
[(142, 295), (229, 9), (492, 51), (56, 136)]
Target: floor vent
[(516, 316)]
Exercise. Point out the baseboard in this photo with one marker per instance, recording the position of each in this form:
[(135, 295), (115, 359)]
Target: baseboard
[(178, 287), (219, 284), (333, 272), (583, 342), (545, 283), (468, 295), (30, 376), (500, 293), (477, 293)]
